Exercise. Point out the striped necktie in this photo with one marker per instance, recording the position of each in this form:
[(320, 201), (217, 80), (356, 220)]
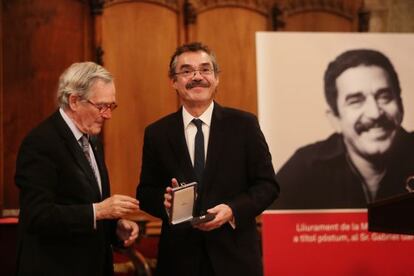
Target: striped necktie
[(85, 148)]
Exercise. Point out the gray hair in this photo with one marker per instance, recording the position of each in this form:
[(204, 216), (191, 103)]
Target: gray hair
[(191, 47), (78, 78)]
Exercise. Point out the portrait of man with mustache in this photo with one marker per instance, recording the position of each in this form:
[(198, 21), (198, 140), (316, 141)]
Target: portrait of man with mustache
[(370, 156)]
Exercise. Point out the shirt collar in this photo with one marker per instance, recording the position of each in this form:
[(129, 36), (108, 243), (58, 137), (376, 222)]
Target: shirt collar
[(76, 132), (205, 117)]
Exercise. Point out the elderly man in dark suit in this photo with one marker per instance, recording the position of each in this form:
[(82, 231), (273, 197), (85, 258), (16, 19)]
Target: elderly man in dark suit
[(231, 163), (67, 220)]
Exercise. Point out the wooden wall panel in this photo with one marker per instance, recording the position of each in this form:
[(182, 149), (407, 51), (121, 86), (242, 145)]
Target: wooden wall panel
[(317, 16), (318, 21), (230, 32), (390, 16), (40, 39), (137, 38)]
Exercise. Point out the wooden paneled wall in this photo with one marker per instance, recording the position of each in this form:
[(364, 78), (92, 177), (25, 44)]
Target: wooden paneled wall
[(134, 39), (138, 57), (39, 40), (321, 16), (230, 32)]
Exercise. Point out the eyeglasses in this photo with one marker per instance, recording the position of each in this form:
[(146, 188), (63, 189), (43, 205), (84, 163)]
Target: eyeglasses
[(102, 107), (190, 72)]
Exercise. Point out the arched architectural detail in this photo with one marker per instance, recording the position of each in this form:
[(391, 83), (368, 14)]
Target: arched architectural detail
[(339, 7), (261, 6), (171, 4)]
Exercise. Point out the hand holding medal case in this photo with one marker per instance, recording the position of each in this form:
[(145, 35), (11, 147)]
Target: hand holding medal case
[(183, 203)]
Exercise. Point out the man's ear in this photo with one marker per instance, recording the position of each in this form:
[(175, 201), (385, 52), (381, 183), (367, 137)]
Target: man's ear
[(334, 120), (173, 83), (73, 102)]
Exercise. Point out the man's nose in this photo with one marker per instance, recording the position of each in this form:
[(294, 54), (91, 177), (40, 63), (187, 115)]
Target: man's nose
[(372, 108), (107, 114), (197, 75)]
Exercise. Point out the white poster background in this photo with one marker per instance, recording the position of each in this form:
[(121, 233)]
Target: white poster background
[(290, 68)]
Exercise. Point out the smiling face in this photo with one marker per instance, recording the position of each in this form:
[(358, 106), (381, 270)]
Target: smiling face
[(368, 111), (196, 90), (86, 116)]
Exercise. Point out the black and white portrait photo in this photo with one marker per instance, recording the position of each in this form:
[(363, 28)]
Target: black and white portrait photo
[(338, 113)]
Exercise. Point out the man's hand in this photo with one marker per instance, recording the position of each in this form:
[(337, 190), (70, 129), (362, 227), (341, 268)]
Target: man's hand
[(167, 195), (127, 231), (223, 215), (116, 206)]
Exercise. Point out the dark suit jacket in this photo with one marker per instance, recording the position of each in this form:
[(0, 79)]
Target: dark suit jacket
[(57, 189), (238, 172), (321, 175)]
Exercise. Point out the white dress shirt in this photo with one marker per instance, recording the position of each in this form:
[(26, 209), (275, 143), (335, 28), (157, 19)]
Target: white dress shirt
[(190, 129)]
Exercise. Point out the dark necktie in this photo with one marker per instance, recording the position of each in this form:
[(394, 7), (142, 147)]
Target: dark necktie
[(198, 150)]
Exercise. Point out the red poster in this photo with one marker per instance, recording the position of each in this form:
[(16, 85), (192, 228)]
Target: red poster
[(331, 242)]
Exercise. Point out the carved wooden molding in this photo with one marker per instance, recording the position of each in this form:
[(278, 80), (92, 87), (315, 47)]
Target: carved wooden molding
[(96, 6), (364, 17), (278, 22), (260, 6), (99, 53), (171, 4), (190, 15), (344, 8)]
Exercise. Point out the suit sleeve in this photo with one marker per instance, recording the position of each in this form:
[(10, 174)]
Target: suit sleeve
[(38, 177), (150, 191), (262, 186)]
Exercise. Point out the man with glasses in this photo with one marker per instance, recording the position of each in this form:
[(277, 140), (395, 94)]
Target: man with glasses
[(370, 156), (225, 152), (68, 221)]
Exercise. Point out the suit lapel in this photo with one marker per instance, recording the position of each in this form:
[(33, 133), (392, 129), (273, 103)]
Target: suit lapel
[(76, 151), (99, 156), (178, 144), (176, 139), (215, 145)]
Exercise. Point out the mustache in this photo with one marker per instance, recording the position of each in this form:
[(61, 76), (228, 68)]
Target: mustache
[(196, 83), (383, 122)]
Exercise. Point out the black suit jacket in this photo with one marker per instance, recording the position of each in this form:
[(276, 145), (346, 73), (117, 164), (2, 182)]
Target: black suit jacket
[(57, 189), (322, 176), (238, 172)]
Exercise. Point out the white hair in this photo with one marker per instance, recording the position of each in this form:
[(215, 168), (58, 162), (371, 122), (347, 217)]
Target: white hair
[(78, 79)]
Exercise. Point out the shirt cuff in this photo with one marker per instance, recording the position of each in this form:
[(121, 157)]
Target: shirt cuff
[(232, 222), (94, 216)]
